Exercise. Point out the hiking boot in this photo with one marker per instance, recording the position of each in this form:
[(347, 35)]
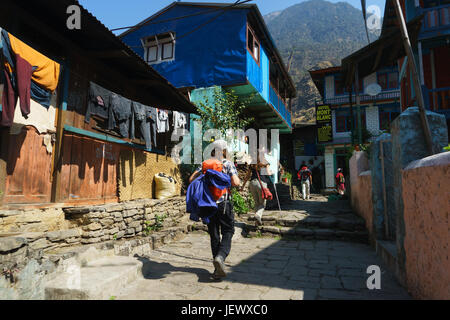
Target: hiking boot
[(219, 265), (215, 276)]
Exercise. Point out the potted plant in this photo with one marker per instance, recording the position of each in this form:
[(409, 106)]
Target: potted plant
[(286, 178)]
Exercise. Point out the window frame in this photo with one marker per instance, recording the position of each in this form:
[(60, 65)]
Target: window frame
[(386, 75), (255, 40), (159, 41)]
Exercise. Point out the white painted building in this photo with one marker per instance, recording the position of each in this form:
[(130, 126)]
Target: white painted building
[(377, 112)]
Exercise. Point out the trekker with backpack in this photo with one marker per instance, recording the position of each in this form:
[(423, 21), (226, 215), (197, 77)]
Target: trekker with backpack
[(340, 182), (258, 187), (305, 177), (221, 220)]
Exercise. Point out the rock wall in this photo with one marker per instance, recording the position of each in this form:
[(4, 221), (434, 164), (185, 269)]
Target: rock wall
[(426, 194), (29, 259)]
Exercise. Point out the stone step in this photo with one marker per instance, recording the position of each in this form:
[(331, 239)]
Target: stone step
[(298, 233), (95, 280), (352, 224)]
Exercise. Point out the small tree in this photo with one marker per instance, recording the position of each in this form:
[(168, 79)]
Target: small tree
[(225, 112)]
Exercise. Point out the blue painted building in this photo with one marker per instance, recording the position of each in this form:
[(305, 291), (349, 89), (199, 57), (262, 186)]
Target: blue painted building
[(200, 45)]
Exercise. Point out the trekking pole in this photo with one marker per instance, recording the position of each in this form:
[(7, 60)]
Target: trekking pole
[(276, 194)]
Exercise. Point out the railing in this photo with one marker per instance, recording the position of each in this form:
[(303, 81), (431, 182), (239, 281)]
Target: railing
[(364, 98), (437, 99), (436, 18), (276, 101)]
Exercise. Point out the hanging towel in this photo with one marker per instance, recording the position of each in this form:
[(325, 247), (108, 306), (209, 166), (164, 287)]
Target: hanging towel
[(47, 71), (38, 94)]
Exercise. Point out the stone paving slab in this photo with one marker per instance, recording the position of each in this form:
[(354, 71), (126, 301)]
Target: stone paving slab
[(260, 269)]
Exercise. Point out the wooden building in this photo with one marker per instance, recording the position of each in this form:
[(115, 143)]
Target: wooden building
[(75, 161)]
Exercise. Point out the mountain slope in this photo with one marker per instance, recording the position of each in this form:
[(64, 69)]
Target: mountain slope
[(319, 34)]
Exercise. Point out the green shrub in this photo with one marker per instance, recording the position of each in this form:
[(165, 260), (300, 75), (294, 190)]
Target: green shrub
[(240, 205)]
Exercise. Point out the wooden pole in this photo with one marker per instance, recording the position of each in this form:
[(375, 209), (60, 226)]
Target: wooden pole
[(350, 97), (358, 105), (383, 180), (415, 76)]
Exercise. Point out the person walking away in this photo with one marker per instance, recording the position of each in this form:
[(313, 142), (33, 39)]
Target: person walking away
[(257, 184), (340, 182), (305, 177), (221, 223)]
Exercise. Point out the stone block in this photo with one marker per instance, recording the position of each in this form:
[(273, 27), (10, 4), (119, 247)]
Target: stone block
[(8, 244), (107, 222), (92, 227), (62, 234)]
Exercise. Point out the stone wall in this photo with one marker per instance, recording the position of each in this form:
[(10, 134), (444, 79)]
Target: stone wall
[(32, 251), (362, 202), (426, 194), (32, 220)]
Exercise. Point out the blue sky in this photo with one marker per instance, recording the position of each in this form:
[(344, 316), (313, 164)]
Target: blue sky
[(120, 13)]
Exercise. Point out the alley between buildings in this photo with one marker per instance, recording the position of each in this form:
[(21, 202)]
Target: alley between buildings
[(267, 267)]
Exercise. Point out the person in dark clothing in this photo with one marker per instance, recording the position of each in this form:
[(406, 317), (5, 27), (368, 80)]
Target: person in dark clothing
[(221, 223)]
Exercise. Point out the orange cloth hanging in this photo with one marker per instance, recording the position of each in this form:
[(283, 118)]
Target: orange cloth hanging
[(47, 72)]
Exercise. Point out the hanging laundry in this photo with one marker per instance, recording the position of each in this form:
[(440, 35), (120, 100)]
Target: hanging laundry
[(47, 71), (121, 109), (99, 105), (162, 121), (180, 120), (9, 101), (152, 116), (24, 71), (38, 94), (147, 127)]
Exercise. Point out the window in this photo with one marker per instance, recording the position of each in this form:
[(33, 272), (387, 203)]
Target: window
[(393, 80), (253, 44), (343, 123), (382, 81), (159, 48), (388, 80), (338, 84)]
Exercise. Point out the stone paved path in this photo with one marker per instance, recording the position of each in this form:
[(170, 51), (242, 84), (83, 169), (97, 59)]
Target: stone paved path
[(262, 268)]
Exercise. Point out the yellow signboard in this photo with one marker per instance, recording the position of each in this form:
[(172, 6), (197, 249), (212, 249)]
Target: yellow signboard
[(324, 124)]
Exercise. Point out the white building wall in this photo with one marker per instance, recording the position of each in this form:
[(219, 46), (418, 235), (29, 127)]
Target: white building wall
[(372, 120), (329, 87)]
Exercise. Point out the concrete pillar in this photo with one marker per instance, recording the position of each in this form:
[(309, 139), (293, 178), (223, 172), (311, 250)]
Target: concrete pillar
[(329, 168), (408, 144)]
